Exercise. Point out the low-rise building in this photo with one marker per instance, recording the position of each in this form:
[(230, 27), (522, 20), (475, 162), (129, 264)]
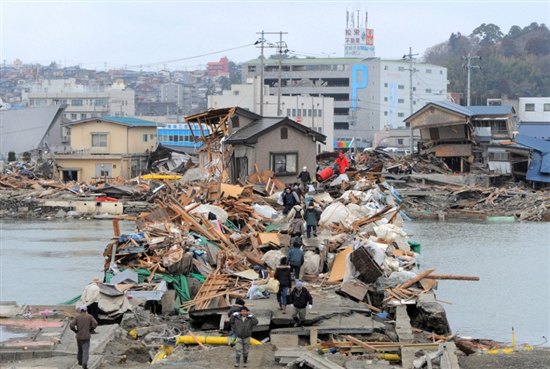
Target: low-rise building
[(106, 147)]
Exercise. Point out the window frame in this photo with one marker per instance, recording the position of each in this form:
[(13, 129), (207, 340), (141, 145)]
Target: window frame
[(286, 172), (529, 107), (100, 135)]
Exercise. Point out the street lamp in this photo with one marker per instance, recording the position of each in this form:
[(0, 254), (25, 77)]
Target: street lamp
[(328, 54)]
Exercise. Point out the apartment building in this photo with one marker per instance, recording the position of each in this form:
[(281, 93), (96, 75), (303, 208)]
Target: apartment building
[(84, 100), (369, 94)]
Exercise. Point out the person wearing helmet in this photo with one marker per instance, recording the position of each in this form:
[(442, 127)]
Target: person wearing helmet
[(305, 178)]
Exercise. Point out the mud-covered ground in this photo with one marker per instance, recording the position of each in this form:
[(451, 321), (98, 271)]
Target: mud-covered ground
[(128, 353)]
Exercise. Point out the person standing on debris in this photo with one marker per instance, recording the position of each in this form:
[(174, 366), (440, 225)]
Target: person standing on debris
[(239, 303), (342, 162), (90, 296), (305, 178), (289, 198), (243, 323), (296, 258), (300, 298), (283, 275), (296, 217), (82, 324), (312, 216)]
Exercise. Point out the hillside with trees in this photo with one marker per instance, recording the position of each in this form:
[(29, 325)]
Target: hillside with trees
[(516, 63)]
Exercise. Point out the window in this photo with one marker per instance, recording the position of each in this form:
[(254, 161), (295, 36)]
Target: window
[(499, 126), (152, 135), (385, 85), (299, 112), (62, 101), (529, 107), (284, 133), (401, 69), (145, 137), (428, 71), (385, 113), (83, 116), (440, 72), (73, 116), (546, 107), (288, 112), (284, 163), (401, 101), (400, 141), (385, 99), (101, 102), (428, 90), (341, 125), (235, 93), (414, 88), (293, 112), (401, 115), (235, 122), (99, 139), (320, 114), (78, 102), (499, 156), (309, 112), (385, 67), (401, 87)]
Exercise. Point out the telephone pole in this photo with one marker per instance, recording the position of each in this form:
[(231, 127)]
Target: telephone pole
[(280, 46), (469, 66), (409, 57)]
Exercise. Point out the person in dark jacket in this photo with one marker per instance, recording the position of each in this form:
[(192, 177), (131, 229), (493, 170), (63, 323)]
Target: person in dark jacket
[(243, 323), (82, 325), (289, 198), (296, 258), (300, 298), (305, 178), (239, 303), (283, 275), (312, 215)]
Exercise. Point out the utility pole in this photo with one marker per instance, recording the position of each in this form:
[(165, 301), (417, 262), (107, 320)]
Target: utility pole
[(469, 66), (280, 45), (409, 57)]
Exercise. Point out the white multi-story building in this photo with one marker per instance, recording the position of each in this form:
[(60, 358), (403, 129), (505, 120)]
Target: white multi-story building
[(534, 109), (369, 94), (84, 101), (314, 112)]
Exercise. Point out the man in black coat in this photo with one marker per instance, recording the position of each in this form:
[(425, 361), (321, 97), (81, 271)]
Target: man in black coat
[(243, 324), (300, 298), (305, 178)]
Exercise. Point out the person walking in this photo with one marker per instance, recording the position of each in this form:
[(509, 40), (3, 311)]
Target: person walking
[(289, 199), (90, 297), (283, 275), (295, 258), (243, 323), (312, 215), (239, 303), (300, 299), (305, 178), (82, 324)]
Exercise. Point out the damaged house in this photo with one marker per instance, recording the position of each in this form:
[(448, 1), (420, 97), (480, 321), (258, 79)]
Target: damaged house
[(471, 138), (241, 141)]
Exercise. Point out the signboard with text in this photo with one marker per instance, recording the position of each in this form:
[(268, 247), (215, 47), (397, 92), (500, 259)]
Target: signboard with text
[(359, 42)]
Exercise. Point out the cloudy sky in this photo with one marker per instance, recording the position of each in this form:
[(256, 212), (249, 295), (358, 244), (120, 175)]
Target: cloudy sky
[(158, 33)]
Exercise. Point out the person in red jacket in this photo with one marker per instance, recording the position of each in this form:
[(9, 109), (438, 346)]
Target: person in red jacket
[(342, 162)]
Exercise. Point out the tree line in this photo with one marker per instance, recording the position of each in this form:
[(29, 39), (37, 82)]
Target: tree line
[(516, 63)]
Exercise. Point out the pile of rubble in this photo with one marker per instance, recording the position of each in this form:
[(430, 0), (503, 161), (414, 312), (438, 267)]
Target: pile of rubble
[(193, 254)]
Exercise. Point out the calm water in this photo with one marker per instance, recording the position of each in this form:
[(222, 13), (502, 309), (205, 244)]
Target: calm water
[(47, 262)]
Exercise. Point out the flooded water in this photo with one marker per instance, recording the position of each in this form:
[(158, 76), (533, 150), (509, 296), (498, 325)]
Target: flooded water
[(47, 262)]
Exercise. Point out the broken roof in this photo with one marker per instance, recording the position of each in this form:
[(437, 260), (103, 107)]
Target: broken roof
[(539, 166), (466, 111), (251, 132)]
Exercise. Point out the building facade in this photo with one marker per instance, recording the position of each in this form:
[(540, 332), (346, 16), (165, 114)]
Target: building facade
[(84, 101), (369, 94)]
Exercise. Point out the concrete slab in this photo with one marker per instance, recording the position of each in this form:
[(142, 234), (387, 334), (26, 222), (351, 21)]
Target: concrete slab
[(62, 362), (105, 334), (403, 324), (407, 356), (284, 340)]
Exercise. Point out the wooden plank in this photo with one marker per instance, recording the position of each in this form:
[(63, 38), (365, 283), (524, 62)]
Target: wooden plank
[(339, 267), (269, 237), (452, 276), (313, 337), (116, 228), (362, 344), (231, 190), (417, 278)]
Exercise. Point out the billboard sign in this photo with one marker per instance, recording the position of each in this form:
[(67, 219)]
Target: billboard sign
[(359, 42)]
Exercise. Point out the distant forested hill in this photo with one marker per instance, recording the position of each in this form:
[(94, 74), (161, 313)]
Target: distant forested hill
[(516, 63)]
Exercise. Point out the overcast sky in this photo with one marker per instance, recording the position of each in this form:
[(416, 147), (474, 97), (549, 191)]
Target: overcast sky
[(133, 33)]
